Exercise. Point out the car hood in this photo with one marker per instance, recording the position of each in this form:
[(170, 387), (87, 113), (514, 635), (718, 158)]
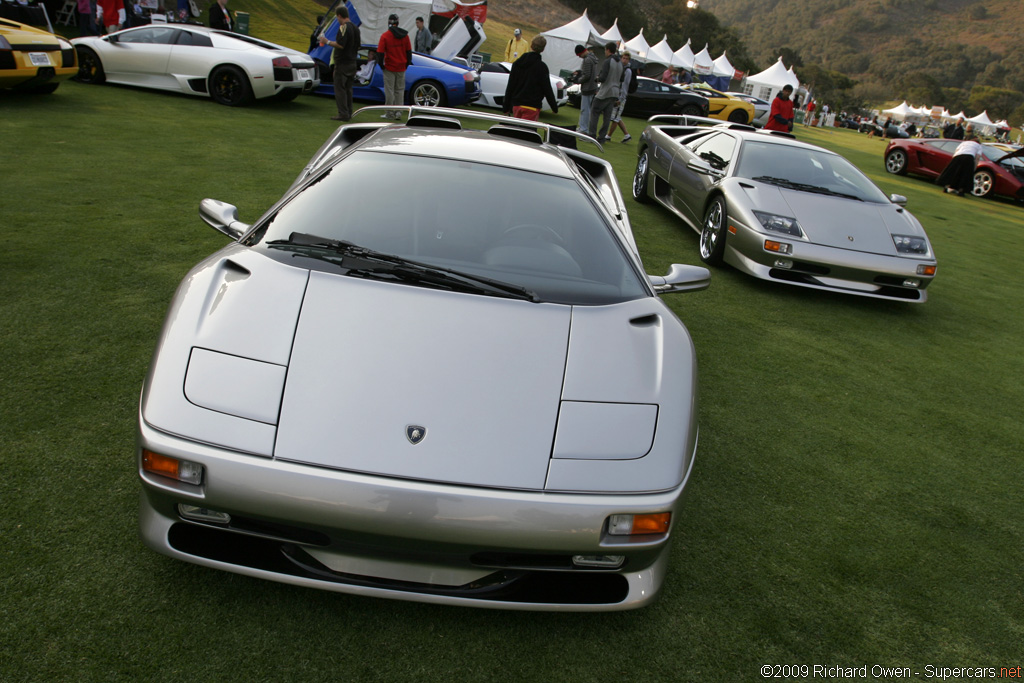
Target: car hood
[(480, 376), (506, 393), (835, 221)]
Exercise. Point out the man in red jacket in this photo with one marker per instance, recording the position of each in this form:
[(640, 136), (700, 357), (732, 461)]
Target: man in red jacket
[(395, 54), (781, 115)]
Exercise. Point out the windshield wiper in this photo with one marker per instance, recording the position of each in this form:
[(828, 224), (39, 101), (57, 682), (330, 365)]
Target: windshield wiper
[(804, 187), (364, 262)]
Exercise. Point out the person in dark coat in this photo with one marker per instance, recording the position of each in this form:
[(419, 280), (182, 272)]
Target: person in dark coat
[(529, 84), (346, 51), (220, 17)]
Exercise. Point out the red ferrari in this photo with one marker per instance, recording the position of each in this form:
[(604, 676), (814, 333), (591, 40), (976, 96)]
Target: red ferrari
[(927, 157)]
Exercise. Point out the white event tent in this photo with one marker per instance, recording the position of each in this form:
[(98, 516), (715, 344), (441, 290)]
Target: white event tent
[(769, 82), (612, 35), (660, 54), (987, 125), (703, 65), (372, 15), (683, 57), (722, 73), (638, 47), (899, 112), (560, 53)]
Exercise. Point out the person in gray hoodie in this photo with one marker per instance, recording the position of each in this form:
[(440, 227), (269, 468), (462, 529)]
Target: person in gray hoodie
[(588, 86), (610, 78)]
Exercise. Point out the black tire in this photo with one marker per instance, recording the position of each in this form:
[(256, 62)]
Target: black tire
[(428, 94), (713, 232), (90, 69), (691, 110), (896, 162), (640, 177), (983, 183), (230, 86), (44, 89), (738, 116)]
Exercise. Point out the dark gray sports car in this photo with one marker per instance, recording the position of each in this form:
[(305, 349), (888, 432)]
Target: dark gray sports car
[(783, 210)]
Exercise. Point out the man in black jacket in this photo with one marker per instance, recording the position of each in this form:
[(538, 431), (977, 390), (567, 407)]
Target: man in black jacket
[(529, 84), (346, 51)]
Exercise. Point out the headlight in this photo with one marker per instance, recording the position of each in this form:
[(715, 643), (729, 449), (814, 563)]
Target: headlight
[(908, 244), (775, 223)]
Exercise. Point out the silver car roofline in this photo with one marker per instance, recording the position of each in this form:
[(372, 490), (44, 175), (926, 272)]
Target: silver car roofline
[(543, 129)]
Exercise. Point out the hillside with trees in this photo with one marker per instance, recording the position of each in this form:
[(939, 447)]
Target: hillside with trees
[(961, 54)]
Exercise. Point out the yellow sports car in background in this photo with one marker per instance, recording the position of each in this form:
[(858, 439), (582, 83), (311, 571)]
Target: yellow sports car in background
[(34, 60), (722, 106)]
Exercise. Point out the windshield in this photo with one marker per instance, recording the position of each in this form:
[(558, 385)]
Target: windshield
[(994, 153), (807, 167), (534, 231)]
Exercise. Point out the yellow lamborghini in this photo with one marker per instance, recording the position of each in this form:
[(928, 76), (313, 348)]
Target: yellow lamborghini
[(33, 60), (722, 106)]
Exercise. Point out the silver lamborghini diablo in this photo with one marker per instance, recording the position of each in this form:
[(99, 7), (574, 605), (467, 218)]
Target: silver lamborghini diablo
[(783, 210), (434, 370)]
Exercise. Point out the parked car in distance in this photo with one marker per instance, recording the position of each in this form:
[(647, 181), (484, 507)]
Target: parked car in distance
[(411, 398), (722, 106), (928, 157), (653, 97), (761, 107), (429, 81), (494, 80), (784, 210), (230, 68), (33, 60)]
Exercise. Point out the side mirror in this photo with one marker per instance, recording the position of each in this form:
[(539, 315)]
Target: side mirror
[(681, 278), (319, 19), (703, 167), (112, 38), (898, 199), (222, 217)]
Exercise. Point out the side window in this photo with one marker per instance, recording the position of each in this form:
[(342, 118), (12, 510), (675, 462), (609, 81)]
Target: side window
[(195, 39), (644, 86), (717, 151), (150, 36)]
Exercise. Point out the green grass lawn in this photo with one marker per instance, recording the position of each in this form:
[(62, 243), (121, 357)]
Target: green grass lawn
[(856, 500)]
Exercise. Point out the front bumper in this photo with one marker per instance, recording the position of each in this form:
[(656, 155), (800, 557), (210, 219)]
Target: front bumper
[(370, 535), (827, 268)]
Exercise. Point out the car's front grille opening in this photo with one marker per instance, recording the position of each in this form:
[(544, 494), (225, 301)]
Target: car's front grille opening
[(812, 268), (503, 585)]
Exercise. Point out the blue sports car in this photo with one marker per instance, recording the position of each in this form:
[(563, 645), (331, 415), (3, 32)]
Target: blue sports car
[(429, 82)]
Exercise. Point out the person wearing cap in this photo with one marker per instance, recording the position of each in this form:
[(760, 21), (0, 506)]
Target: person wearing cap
[(395, 54), (517, 46), (424, 41), (529, 84), (588, 86), (344, 60)]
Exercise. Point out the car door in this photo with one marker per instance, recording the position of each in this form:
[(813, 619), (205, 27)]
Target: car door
[(140, 56), (373, 89), (192, 56), (690, 185), (934, 155)]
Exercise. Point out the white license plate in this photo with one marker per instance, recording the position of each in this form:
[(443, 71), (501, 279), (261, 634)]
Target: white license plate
[(39, 58), (302, 74)]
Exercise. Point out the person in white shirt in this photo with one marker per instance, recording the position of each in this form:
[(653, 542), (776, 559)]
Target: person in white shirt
[(958, 176)]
